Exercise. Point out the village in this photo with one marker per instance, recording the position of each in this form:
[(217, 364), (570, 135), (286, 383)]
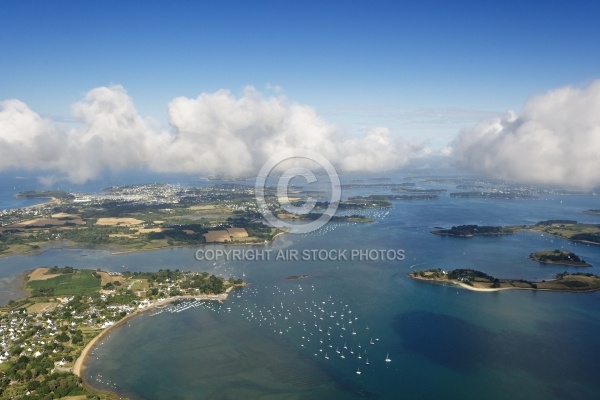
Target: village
[(43, 336)]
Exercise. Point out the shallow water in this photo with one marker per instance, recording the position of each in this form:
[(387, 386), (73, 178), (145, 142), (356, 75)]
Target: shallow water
[(266, 343), (515, 344)]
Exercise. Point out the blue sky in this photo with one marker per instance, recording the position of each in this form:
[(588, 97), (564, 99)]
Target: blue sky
[(423, 69), (331, 54)]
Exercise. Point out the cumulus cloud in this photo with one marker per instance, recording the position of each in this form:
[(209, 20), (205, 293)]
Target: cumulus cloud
[(26, 139), (554, 139), (111, 135), (215, 133), (218, 131)]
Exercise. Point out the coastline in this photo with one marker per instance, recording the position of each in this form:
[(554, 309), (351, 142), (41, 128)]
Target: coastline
[(530, 229), (79, 366), (559, 263), (118, 253), (66, 244), (481, 289), (470, 235), (462, 285), (116, 250), (48, 201), (475, 289), (440, 232)]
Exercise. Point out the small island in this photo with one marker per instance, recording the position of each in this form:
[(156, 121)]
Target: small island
[(335, 218), (593, 212), (357, 203), (566, 229), (558, 257), (385, 199), (467, 231), (507, 195), (296, 277), (45, 337), (480, 281), (418, 191)]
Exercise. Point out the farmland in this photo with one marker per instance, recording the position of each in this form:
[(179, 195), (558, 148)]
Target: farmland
[(79, 282)]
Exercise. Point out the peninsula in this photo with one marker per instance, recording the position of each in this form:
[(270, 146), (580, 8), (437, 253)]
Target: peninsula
[(154, 216), (45, 337), (568, 229), (480, 281)]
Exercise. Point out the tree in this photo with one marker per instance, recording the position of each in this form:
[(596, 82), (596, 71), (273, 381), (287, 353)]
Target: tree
[(63, 337), (33, 385)]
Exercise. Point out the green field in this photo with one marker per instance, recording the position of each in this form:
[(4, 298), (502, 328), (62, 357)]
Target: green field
[(79, 282)]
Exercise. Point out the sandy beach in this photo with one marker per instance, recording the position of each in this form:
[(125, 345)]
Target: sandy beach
[(79, 366), (48, 202), (476, 289), (473, 288), (462, 285)]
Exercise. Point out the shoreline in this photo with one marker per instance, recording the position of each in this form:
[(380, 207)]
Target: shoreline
[(118, 253), (530, 229), (79, 366), (48, 201), (483, 289), (564, 264), (469, 235), (116, 250), (478, 289), (463, 285), (475, 289), (515, 230)]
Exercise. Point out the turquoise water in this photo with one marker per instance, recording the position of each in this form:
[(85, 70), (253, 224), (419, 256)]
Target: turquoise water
[(264, 342)]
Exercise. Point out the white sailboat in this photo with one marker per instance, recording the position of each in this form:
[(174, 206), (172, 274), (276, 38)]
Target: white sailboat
[(358, 371), (387, 358)]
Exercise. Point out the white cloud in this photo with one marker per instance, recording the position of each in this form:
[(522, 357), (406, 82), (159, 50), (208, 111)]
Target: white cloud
[(114, 135), (375, 152), (215, 133), (554, 139), (27, 140)]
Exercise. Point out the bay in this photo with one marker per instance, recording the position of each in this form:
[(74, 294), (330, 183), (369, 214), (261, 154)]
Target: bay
[(443, 342)]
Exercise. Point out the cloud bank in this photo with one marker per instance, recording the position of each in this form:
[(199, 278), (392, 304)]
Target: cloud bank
[(215, 133), (554, 139)]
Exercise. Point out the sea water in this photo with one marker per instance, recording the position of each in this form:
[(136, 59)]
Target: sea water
[(443, 342)]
